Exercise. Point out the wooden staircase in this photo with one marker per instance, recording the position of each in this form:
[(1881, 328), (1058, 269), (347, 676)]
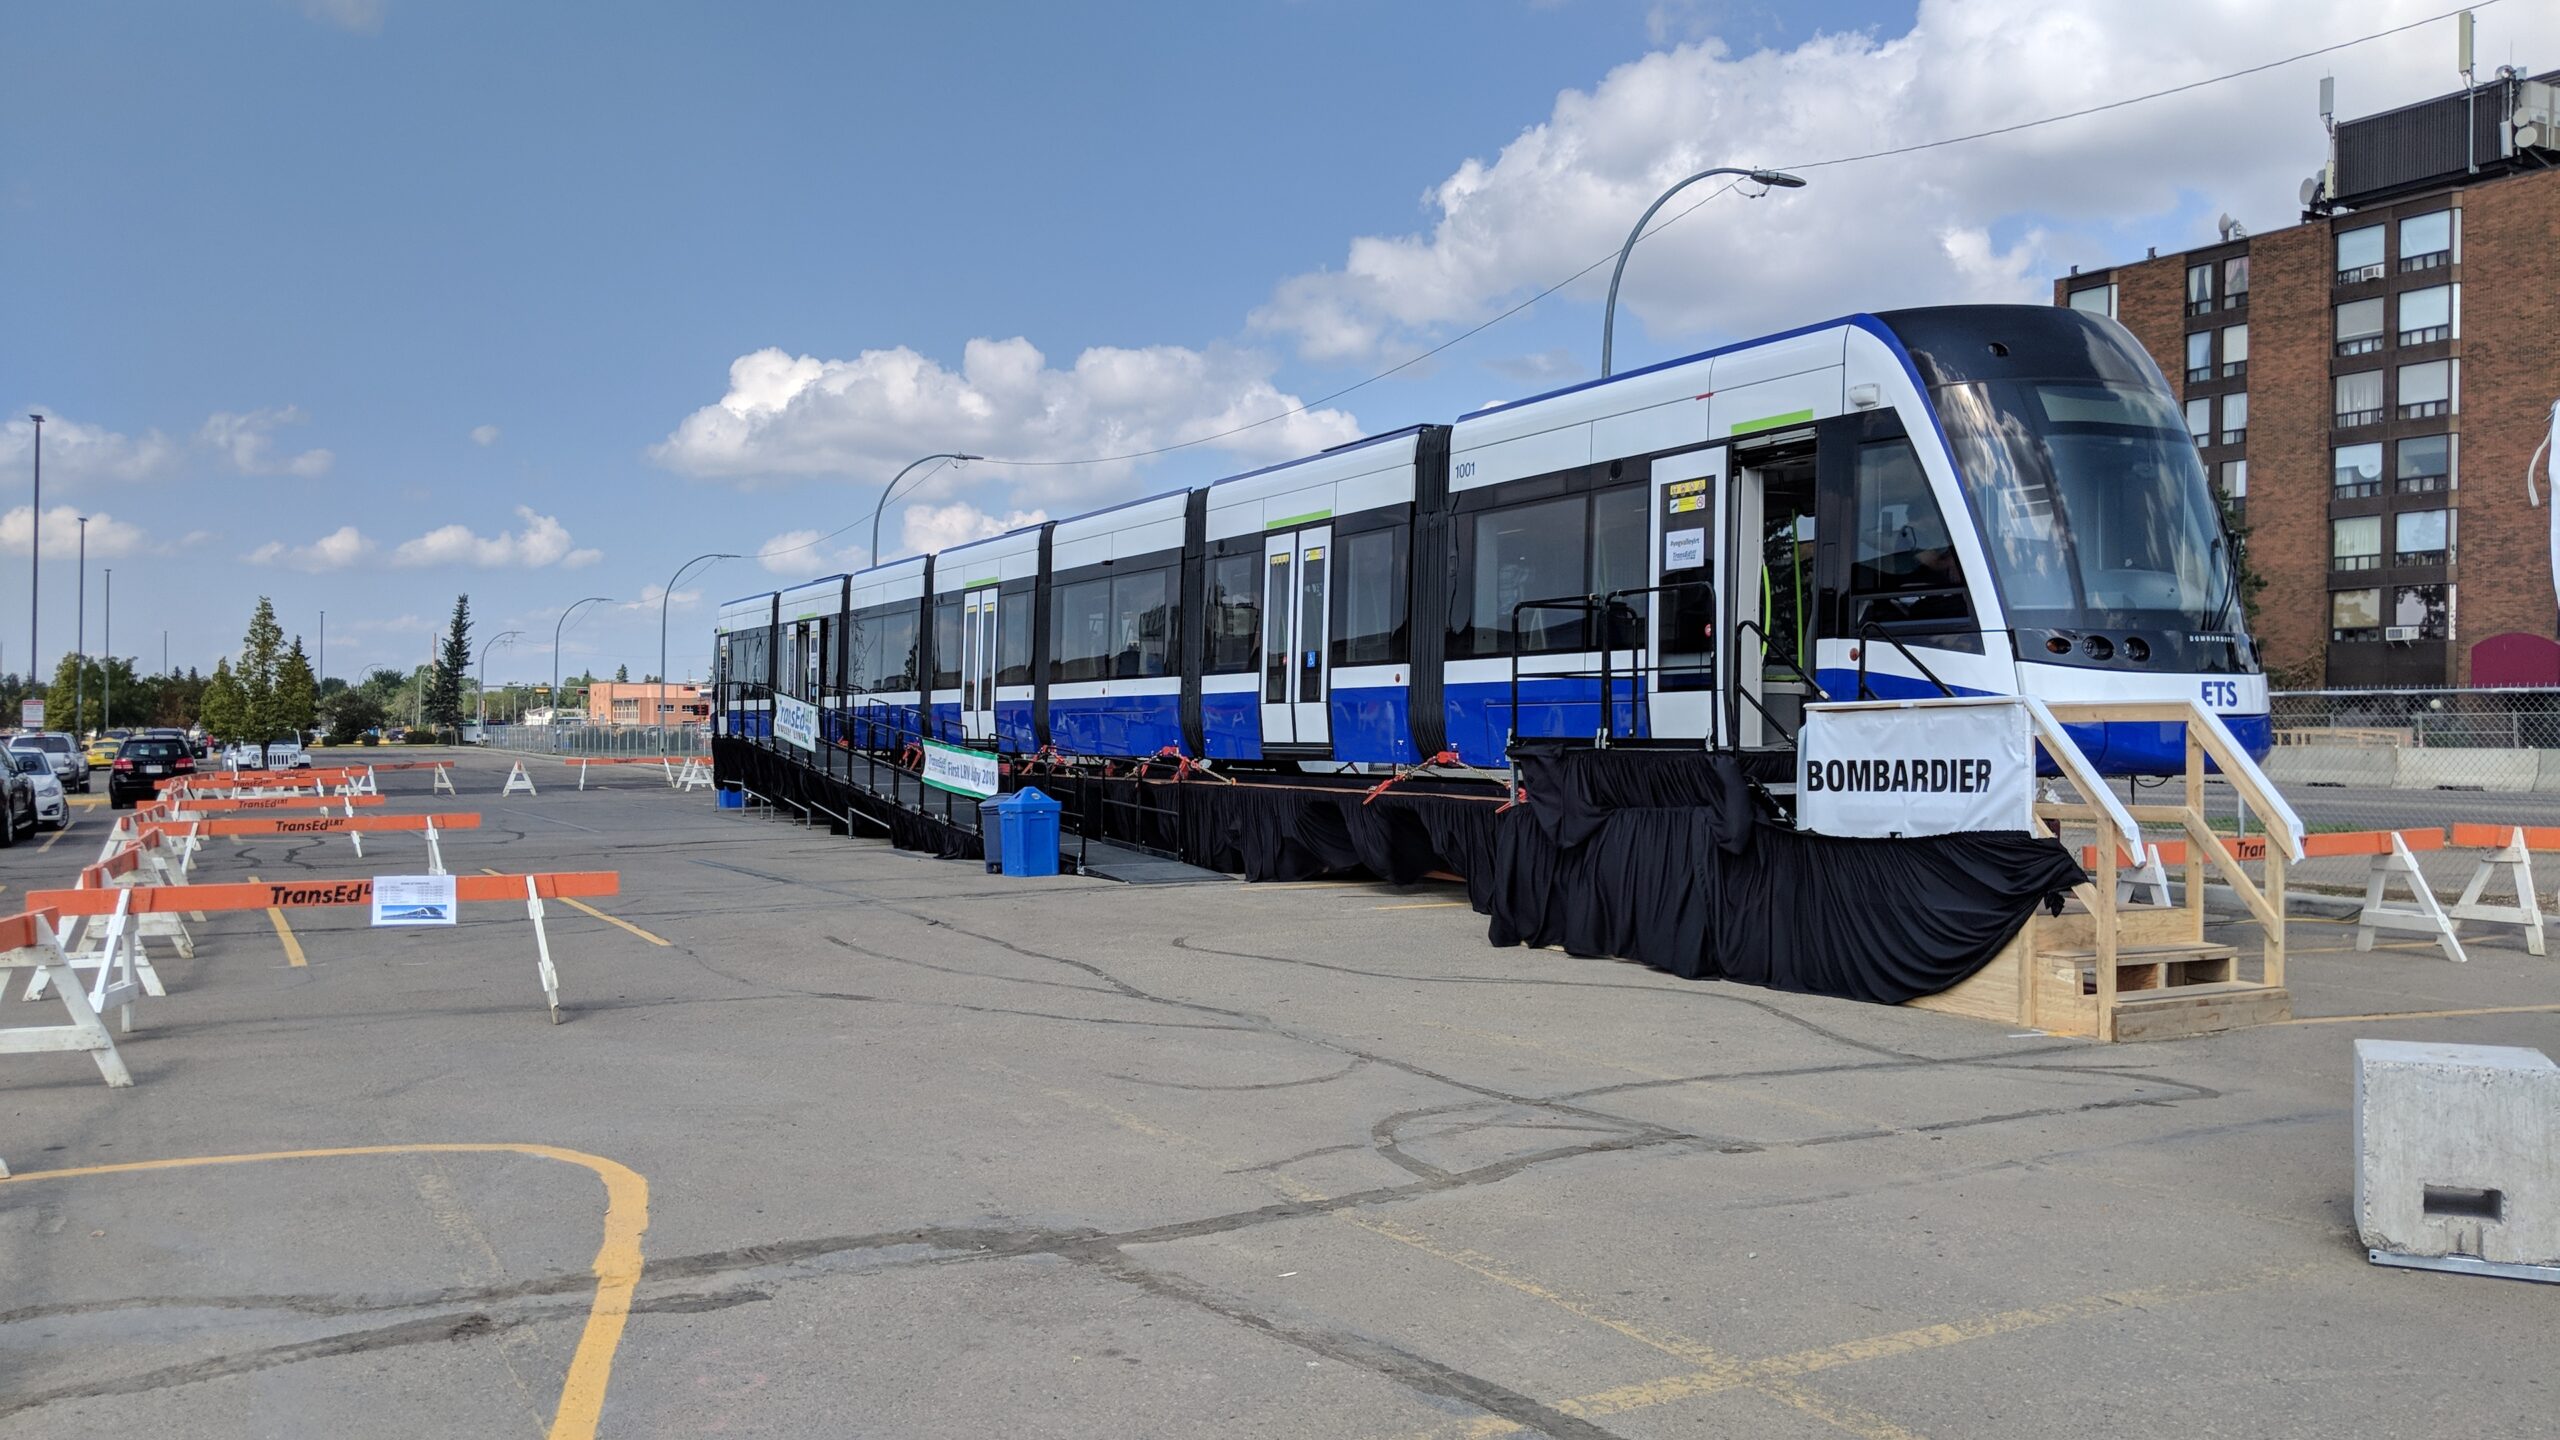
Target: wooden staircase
[(2114, 971)]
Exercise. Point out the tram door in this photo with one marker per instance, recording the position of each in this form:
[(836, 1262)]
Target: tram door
[(1687, 627), (978, 665), (1297, 614), (1763, 572)]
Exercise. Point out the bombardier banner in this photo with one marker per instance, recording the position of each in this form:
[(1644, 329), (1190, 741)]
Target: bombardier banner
[(1917, 767), (796, 721)]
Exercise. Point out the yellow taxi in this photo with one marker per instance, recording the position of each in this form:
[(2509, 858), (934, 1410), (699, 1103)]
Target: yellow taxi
[(102, 751)]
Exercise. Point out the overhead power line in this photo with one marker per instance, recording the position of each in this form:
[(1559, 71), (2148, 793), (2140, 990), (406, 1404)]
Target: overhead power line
[(1676, 217)]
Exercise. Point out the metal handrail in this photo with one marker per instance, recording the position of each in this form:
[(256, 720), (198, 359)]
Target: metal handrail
[(1733, 709), (1876, 631)]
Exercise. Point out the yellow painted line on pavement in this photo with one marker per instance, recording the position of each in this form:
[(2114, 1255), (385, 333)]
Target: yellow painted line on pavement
[(614, 921), (55, 838), (617, 1263), (2381, 1016), (293, 955)]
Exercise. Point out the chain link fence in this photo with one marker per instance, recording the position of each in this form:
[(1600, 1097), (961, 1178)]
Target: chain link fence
[(601, 740)]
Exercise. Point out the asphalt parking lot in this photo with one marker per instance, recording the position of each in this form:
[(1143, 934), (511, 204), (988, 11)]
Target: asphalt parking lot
[(923, 1152)]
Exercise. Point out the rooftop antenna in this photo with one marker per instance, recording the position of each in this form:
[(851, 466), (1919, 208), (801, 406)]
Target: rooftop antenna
[(2318, 188), (2231, 229), (2463, 26)]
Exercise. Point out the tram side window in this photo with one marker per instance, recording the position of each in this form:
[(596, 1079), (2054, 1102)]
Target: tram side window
[(1013, 638), (883, 642), (1906, 563), (747, 651), (1369, 608), (1142, 624), (1621, 534), (1080, 631), (1528, 552), (1235, 614), (946, 644)]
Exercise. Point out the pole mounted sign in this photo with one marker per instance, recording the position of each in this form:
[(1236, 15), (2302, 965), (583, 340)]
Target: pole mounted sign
[(1916, 767), (30, 714), (796, 721)]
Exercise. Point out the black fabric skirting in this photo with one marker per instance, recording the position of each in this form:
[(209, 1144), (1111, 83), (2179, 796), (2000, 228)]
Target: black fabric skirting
[(1670, 858)]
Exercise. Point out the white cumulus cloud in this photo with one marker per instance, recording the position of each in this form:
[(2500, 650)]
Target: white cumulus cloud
[(1988, 220), (939, 527), (543, 541), (484, 435), (865, 418), (77, 452), (248, 442), (807, 552), (109, 537), (337, 550)]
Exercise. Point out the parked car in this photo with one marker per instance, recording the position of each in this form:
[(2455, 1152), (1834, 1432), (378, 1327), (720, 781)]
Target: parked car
[(69, 765), (53, 807), (144, 763), (102, 751), (18, 798), (285, 752), (241, 755)]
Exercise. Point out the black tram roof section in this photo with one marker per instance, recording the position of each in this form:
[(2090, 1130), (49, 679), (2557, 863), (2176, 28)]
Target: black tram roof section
[(1957, 344)]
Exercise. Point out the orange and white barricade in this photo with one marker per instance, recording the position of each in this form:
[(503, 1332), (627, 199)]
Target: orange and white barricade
[(2511, 859), (355, 827), (28, 942), (531, 890), (109, 938)]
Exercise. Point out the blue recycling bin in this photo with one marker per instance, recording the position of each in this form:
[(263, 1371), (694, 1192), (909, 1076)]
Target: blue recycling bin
[(1024, 839)]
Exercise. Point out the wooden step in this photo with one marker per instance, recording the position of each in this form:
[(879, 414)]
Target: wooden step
[(2151, 967), (2199, 1010), (2147, 954)]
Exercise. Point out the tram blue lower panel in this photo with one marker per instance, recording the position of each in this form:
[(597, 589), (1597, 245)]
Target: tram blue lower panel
[(1014, 732), (1478, 714), (1131, 725), (2117, 747), (1231, 724), (1373, 726)]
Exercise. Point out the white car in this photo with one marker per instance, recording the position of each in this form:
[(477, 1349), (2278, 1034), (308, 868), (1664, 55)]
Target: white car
[(286, 753), (242, 756), (53, 807)]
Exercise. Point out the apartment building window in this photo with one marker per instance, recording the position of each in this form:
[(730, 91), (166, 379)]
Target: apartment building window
[(2235, 479), (2355, 615), (2235, 350), (2356, 471), (2426, 241), (2360, 327), (2427, 389), (2200, 419), (2422, 537), (2199, 289), (2199, 356), (2355, 543), (2426, 464), (2427, 609), (2360, 254), (2360, 399), (2428, 315), (2235, 282), (2235, 418), (2095, 300)]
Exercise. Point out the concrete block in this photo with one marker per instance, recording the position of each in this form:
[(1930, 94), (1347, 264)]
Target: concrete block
[(2363, 766), (2458, 1152), (2502, 770), (2546, 774)]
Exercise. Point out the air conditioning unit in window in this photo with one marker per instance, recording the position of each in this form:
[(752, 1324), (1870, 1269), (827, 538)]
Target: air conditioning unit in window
[(2400, 632)]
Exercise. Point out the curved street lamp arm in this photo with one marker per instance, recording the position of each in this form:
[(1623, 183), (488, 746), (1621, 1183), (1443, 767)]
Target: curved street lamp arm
[(891, 488), (1609, 313)]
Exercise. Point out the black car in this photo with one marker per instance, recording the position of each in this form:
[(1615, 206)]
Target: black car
[(142, 764), (17, 805)]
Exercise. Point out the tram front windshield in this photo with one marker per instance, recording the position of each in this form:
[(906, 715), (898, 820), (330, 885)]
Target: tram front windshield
[(2093, 505)]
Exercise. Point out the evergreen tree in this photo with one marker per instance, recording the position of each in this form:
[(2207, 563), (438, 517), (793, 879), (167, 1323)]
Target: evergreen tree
[(296, 705), (223, 711), (622, 674), (261, 657), (444, 692)]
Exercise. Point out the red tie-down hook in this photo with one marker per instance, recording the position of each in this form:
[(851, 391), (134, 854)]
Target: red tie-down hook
[(1445, 757)]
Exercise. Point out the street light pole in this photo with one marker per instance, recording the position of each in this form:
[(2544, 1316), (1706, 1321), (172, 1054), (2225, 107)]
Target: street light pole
[(893, 485), (659, 706), (80, 640), (556, 628), (497, 639), (107, 671), (1774, 179), (35, 554)]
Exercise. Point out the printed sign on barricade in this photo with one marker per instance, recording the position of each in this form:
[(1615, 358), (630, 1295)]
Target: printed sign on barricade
[(961, 771), (1916, 767), (795, 721)]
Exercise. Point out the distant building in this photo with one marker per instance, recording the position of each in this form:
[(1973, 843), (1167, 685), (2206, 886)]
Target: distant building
[(635, 702), (2367, 386)]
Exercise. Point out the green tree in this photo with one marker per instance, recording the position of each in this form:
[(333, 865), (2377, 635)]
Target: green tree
[(622, 674), (444, 694), (296, 707), (90, 689), (261, 658), (351, 713), (223, 710)]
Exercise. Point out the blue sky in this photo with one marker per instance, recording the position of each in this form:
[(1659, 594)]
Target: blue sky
[(364, 303)]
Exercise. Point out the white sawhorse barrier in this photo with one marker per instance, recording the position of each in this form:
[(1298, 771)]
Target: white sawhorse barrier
[(517, 780), (2423, 916), (2511, 860), (695, 776), (29, 942)]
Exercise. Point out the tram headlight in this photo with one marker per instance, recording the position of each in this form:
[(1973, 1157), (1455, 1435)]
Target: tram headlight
[(2099, 647), (2136, 649), (2057, 644)]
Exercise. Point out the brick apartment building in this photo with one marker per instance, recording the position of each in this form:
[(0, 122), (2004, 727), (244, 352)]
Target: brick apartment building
[(636, 702), (2367, 386)]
